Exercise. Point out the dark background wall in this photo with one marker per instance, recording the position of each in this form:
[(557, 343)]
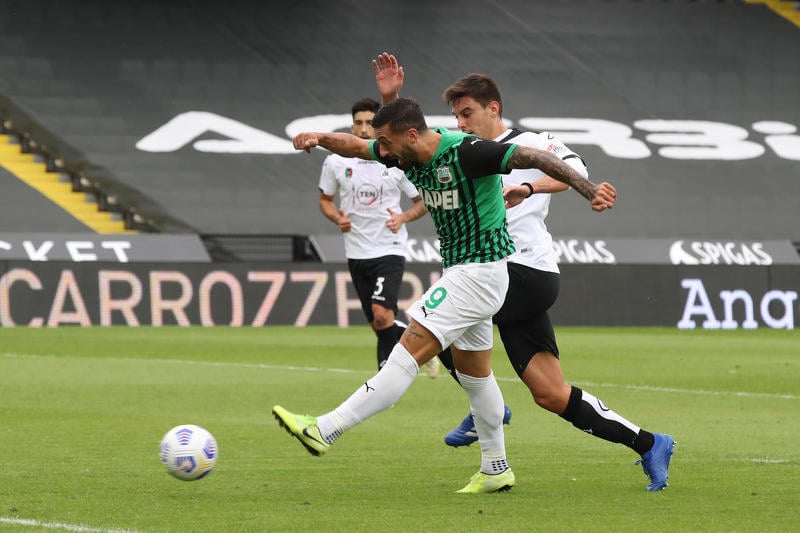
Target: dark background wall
[(103, 75)]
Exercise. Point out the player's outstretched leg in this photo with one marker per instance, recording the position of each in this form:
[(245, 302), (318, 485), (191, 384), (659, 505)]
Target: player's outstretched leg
[(655, 463), (303, 428), (465, 433)]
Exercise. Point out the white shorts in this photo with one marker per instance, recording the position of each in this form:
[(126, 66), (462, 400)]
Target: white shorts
[(458, 308)]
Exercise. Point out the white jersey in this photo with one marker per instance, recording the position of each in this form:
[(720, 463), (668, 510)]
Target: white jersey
[(526, 220), (366, 190)]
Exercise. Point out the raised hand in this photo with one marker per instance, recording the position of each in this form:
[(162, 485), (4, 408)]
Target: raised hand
[(389, 76)]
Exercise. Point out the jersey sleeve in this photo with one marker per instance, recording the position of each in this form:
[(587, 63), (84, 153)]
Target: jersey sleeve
[(327, 178), (578, 164), (405, 186), (546, 141), (558, 148), (479, 157)]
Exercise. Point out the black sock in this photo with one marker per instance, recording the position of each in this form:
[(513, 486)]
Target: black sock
[(446, 357), (387, 338), (644, 441), (398, 331), (590, 415)]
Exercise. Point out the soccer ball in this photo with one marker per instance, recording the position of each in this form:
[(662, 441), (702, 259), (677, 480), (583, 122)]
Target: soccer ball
[(189, 452)]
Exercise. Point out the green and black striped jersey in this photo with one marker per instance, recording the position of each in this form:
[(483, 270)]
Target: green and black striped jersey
[(462, 189)]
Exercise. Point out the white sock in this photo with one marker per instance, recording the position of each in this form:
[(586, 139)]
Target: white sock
[(486, 402), (378, 393)]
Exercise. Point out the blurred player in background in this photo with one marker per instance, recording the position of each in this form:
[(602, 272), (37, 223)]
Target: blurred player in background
[(373, 225), (523, 322)]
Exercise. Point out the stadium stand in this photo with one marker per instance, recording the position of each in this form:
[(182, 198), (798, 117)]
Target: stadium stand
[(24, 209), (33, 170), (94, 78)]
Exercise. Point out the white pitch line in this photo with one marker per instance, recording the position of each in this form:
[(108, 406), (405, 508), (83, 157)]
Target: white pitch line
[(263, 366), (739, 394), (767, 460), (59, 525)]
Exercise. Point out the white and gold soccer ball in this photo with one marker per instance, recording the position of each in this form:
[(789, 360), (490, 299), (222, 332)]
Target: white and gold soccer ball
[(189, 452)]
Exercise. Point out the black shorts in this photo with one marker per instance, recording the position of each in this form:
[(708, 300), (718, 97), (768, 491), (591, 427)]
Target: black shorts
[(523, 322), (377, 281)]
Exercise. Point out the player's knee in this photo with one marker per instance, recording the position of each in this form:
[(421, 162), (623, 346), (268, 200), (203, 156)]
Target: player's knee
[(383, 317), (553, 399)]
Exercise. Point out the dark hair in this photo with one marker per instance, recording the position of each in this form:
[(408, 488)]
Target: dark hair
[(480, 87), (401, 115), (365, 104)]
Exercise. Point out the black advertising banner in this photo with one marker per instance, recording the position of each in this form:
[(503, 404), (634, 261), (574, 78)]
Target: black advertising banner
[(611, 251), (255, 294), (160, 294), (93, 247), (686, 297)]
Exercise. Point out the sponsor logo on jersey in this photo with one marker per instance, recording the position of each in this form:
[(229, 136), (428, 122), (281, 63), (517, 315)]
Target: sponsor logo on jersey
[(443, 175), (447, 200), (367, 194)]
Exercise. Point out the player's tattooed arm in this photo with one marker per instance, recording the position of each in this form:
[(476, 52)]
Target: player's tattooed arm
[(344, 144), (553, 166), (601, 197)]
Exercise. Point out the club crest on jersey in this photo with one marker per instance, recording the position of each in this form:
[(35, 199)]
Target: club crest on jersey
[(443, 175), (348, 173)]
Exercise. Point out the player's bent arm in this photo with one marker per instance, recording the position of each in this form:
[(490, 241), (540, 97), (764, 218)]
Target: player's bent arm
[(416, 210), (328, 208), (554, 167), (548, 185), (344, 144), (605, 195), (516, 194)]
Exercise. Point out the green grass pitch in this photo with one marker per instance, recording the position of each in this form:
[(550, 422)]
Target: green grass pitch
[(82, 412)]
